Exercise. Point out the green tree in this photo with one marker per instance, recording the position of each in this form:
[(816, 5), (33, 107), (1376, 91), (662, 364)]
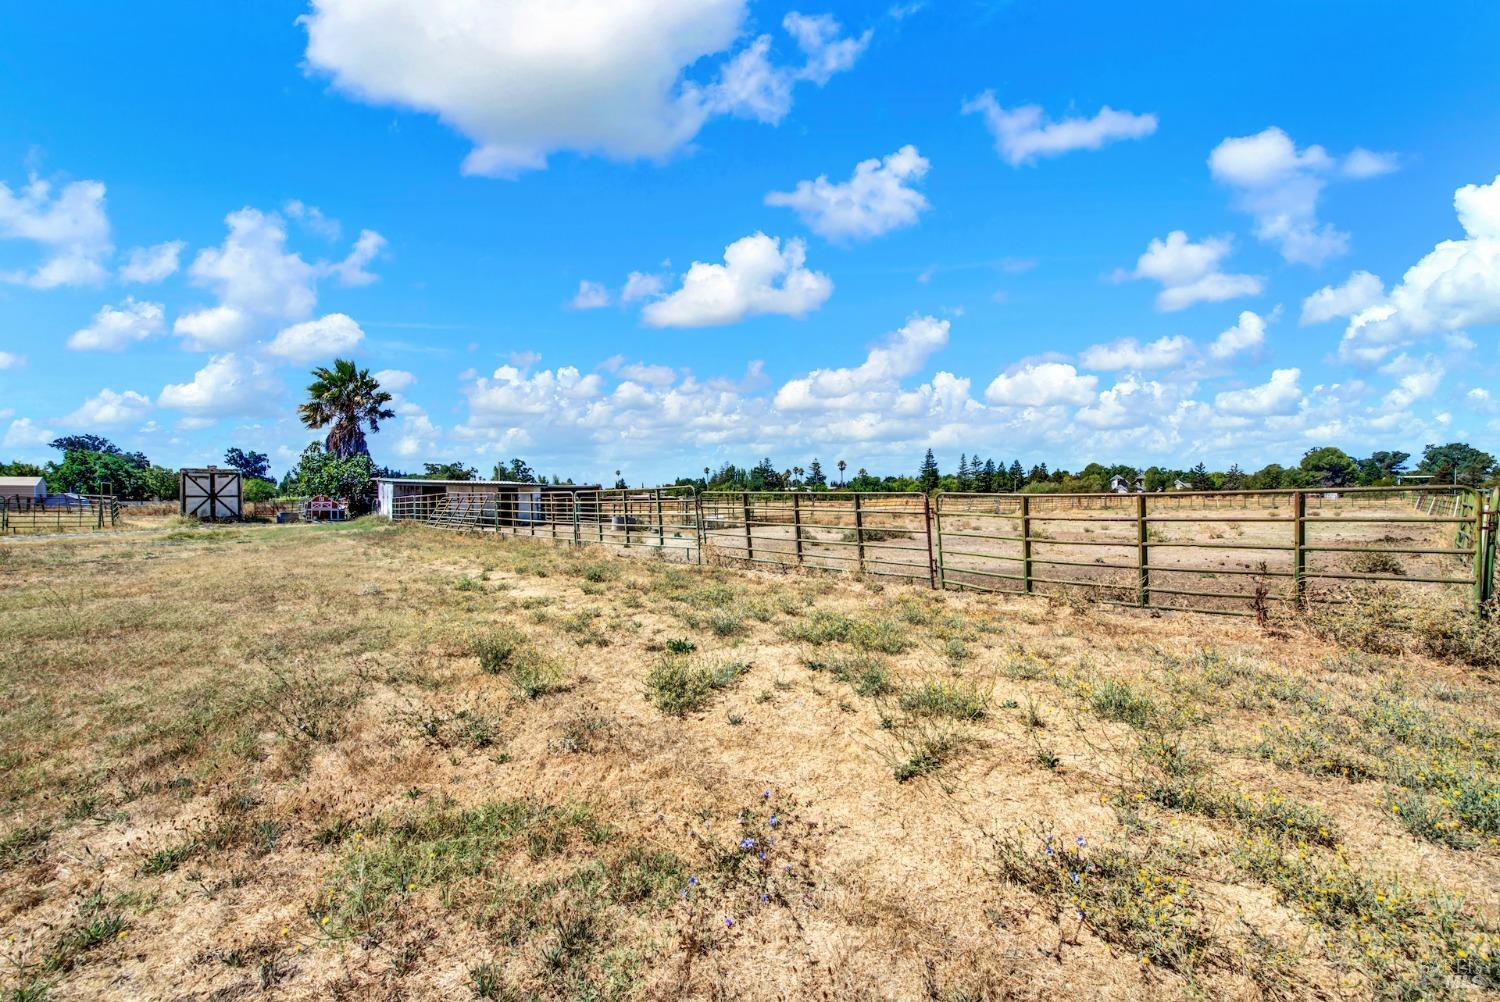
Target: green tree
[(256, 489), (87, 472), (1457, 463), (250, 464), (1329, 467), (344, 399), (159, 483), (449, 471), (20, 469), (929, 477), (349, 478), (815, 475), (516, 471)]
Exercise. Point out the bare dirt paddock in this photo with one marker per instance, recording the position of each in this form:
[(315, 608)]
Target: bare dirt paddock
[(379, 762)]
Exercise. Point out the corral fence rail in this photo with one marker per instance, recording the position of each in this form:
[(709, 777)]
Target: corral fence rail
[(664, 519), (1232, 552), (58, 513)]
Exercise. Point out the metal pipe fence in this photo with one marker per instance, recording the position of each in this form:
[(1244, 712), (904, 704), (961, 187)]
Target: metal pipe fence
[(58, 513), (1224, 552), (1217, 552), (885, 535)]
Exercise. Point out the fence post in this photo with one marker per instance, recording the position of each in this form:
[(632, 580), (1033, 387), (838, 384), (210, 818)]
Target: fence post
[(1299, 547), (797, 524), (749, 541), (932, 574), (1026, 543), (661, 526), (699, 528), (1142, 551), (937, 536), (1478, 541), (859, 534), (577, 528), (625, 499)]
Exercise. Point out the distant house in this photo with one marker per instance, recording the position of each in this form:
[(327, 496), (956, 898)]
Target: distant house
[(1119, 485), (22, 492), (1181, 485)]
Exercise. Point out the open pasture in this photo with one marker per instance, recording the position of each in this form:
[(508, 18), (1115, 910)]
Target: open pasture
[(386, 761)]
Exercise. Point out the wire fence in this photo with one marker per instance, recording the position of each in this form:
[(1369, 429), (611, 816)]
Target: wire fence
[(1221, 552)]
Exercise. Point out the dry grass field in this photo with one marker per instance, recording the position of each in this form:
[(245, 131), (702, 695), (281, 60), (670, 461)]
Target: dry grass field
[(368, 761)]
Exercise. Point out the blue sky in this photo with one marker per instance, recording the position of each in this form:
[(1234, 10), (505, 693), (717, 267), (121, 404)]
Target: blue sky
[(1084, 231)]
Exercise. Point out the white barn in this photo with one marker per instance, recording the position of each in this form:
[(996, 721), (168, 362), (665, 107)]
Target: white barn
[(22, 492)]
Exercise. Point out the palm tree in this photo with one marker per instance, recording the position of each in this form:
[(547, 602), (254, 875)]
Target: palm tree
[(842, 467), (343, 399)]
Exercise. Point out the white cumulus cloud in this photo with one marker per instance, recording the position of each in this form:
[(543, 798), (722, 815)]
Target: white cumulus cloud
[(1279, 185), (10, 360), (322, 338), (1024, 134), (149, 265), (590, 296), (1247, 334), (1128, 353), (902, 354), (69, 225), (1279, 395), (758, 276), (108, 409), (229, 385), (116, 328), (528, 78), (1359, 292), (1041, 384), (878, 198), (25, 433), (1455, 286), (1190, 272)]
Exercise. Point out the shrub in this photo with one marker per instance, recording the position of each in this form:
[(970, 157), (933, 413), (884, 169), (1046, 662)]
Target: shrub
[(496, 650), (960, 700), (676, 685)]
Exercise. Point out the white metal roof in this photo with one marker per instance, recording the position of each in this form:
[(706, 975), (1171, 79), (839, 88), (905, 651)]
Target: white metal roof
[(22, 481)]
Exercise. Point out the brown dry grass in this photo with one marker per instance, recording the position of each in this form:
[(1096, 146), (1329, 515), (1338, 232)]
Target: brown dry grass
[(266, 760)]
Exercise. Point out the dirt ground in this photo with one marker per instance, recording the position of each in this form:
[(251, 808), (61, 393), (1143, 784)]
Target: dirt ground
[(369, 761)]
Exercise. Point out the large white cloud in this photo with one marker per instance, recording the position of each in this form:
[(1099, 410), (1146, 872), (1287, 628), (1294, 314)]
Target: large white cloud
[(149, 265), (1281, 394), (260, 283), (322, 338), (1190, 272), (1360, 291), (1279, 186), (24, 433), (878, 198), (108, 409), (1455, 286), (901, 354), (1128, 353), (116, 328), (1416, 379), (526, 78), (1247, 334), (70, 225), (1025, 134), (1041, 384), (759, 275), (229, 385)]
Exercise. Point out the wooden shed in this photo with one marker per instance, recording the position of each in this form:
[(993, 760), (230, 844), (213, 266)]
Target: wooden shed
[(210, 493), (22, 492)]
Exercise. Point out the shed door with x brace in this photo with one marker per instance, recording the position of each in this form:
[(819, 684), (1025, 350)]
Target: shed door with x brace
[(211, 493)]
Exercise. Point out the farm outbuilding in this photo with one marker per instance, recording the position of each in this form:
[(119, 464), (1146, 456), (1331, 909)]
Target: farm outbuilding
[(21, 492), (210, 493), (508, 501)]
